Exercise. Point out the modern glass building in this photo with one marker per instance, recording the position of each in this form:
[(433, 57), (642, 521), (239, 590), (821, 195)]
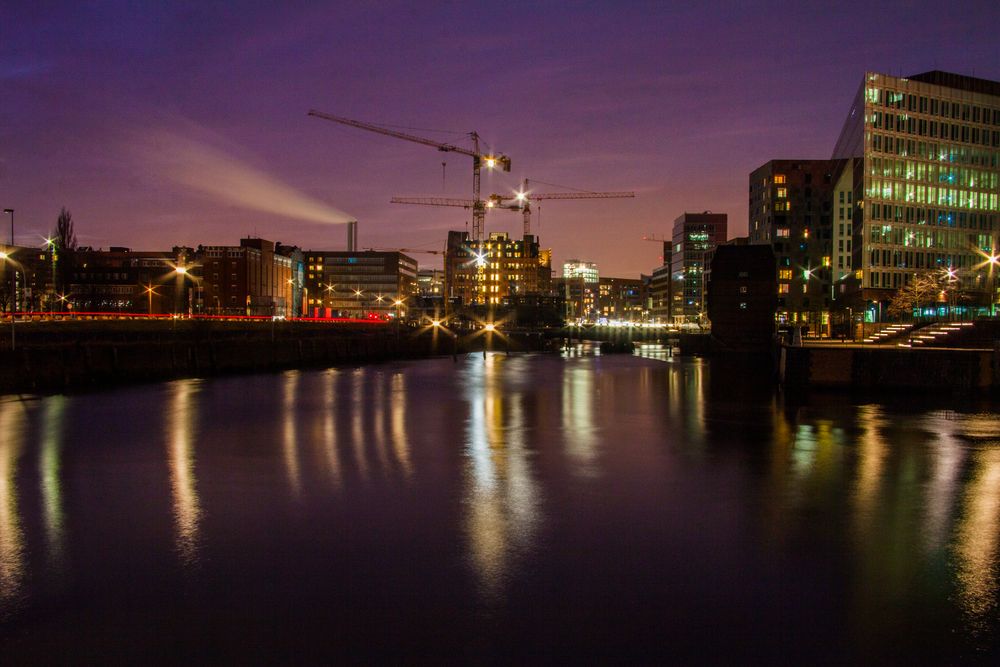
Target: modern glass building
[(922, 189)]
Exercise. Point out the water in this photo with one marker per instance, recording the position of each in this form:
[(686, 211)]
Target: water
[(530, 508)]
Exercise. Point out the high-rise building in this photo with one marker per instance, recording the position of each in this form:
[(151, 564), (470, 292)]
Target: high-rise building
[(924, 187), (694, 234), (791, 209), (505, 267)]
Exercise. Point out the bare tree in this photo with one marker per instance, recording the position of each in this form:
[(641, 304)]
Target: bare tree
[(923, 289), (64, 236)]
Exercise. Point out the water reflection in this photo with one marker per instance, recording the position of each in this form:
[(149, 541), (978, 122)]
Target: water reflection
[(947, 460), (328, 416), (181, 420), (978, 536), (12, 427), (503, 495), (289, 439), (397, 417), (53, 412), (578, 417), (358, 408)]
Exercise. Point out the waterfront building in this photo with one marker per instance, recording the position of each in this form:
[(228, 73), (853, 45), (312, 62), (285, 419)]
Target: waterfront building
[(924, 183), (248, 279), (27, 278), (694, 234), (620, 299), (502, 267), (659, 294), (742, 296), (123, 280), (343, 283), (791, 210)]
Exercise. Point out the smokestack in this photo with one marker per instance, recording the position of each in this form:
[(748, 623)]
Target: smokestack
[(352, 235)]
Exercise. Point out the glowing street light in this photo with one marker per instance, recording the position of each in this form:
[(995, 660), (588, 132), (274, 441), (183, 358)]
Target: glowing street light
[(150, 290), (490, 327)]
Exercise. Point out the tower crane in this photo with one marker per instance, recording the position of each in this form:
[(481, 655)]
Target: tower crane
[(520, 201), (479, 159)]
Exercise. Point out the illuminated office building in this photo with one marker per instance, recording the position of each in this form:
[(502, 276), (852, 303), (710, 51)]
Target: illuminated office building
[(342, 283), (923, 155)]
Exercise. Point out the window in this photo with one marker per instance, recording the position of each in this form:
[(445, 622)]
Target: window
[(781, 232), (782, 193), (785, 274), (779, 179), (783, 288)]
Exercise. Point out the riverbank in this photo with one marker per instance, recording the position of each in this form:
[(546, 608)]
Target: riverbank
[(63, 356), (872, 368)]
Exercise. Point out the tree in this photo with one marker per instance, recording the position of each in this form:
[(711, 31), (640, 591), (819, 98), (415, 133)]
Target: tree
[(922, 290), (64, 245), (64, 236)]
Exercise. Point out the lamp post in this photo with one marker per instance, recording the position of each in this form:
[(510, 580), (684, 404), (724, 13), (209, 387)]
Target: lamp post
[(11, 211), (9, 261)]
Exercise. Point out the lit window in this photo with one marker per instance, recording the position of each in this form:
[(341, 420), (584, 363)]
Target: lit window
[(785, 274), (782, 193), (783, 288), (779, 178), (826, 261), (781, 232)]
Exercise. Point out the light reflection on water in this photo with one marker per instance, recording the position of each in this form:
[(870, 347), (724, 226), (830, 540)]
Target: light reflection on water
[(12, 431), (467, 482), (181, 442), (502, 496)]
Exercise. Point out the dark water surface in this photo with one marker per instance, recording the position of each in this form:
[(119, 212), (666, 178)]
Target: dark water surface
[(538, 508)]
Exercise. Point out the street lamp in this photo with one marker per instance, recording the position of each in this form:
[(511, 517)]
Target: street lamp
[(11, 211), (150, 291), (6, 258)]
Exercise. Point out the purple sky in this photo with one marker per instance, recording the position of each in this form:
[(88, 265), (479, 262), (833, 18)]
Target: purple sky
[(159, 127)]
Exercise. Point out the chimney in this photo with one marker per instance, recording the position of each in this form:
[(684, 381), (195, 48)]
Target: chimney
[(352, 235)]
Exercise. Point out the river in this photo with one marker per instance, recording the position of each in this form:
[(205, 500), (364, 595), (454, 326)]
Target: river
[(538, 508)]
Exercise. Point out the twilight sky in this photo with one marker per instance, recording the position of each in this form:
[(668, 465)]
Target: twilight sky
[(185, 125)]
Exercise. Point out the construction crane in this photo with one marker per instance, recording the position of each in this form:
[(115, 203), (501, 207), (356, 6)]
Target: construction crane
[(665, 243), (520, 201), (479, 159)]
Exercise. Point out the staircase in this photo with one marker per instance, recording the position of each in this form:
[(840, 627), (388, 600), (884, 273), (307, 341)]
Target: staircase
[(941, 334), (889, 334)]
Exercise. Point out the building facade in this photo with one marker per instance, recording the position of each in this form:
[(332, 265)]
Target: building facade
[(791, 209), (694, 234), (342, 283), (923, 181), (248, 279), (620, 299), (501, 268)]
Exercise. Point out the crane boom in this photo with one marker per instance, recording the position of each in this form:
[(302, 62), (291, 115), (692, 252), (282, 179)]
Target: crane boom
[(581, 195), (432, 201), (448, 148)]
